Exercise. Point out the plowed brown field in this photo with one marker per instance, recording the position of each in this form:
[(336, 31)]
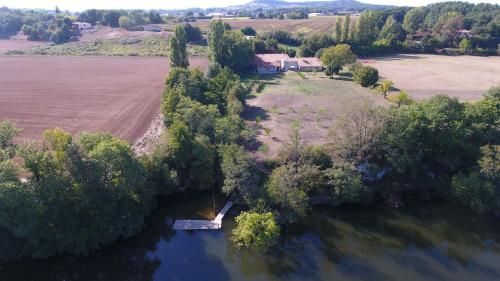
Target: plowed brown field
[(116, 95)]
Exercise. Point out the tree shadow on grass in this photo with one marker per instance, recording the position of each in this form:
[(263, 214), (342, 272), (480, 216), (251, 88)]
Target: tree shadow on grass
[(396, 57), (250, 113)]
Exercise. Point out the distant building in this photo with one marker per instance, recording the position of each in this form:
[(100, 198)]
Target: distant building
[(78, 25), (464, 33), (217, 15), (249, 37), (418, 36), (152, 27), (316, 14), (275, 63)]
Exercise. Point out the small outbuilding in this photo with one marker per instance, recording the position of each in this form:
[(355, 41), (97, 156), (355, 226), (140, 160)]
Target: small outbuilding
[(309, 64), (275, 63), (78, 25)]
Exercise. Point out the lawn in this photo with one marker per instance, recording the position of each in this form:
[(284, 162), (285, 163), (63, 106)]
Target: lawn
[(312, 104)]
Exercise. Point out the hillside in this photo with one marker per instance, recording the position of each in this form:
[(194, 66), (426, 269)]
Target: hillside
[(332, 5)]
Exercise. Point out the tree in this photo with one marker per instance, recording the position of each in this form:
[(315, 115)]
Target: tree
[(249, 31), (110, 18), (7, 134), (465, 45), (77, 190), (366, 76), (480, 189), (366, 29), (339, 55), (239, 172), (193, 33), (235, 51), (384, 87), (124, 22), (338, 30), (414, 19), (257, 231), (228, 48), (401, 98), (154, 17), (346, 30), (430, 138), (8, 171), (177, 48), (215, 38), (332, 69), (312, 44), (344, 183), (356, 136), (285, 190), (392, 31)]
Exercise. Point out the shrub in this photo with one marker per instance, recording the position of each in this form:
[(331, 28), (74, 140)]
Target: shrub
[(256, 231), (366, 76), (249, 31), (261, 87)]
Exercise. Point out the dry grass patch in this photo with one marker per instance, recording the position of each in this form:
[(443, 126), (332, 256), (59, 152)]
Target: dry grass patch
[(423, 76), (312, 104)]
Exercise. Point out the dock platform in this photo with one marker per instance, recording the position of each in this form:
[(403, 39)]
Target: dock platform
[(204, 224)]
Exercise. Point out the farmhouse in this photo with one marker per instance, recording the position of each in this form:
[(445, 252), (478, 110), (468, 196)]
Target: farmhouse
[(268, 63), (78, 25), (274, 63)]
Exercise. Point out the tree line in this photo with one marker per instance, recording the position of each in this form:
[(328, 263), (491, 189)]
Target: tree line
[(36, 25), (438, 148)]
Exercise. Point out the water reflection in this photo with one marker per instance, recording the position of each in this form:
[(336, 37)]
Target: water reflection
[(432, 242)]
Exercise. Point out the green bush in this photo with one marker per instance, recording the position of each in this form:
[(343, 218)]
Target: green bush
[(261, 87), (256, 231), (366, 76)]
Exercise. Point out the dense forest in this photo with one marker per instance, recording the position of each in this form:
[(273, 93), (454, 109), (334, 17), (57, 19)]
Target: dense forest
[(422, 29)]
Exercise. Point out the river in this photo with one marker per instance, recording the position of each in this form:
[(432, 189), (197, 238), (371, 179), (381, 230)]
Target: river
[(431, 241)]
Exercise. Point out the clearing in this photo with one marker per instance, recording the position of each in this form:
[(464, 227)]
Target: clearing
[(116, 95), (423, 76), (312, 103)]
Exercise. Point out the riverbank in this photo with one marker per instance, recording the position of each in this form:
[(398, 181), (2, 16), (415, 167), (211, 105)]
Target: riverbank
[(352, 242)]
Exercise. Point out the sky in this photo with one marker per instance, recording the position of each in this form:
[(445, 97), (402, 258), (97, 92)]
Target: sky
[(78, 5)]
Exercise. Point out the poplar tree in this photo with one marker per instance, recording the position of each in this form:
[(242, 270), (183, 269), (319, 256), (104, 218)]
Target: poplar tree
[(215, 38), (338, 30), (346, 29), (177, 46)]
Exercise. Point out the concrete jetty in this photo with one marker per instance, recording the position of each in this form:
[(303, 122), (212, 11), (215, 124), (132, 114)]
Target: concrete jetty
[(204, 224)]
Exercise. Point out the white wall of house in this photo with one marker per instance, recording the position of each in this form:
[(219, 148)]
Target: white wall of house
[(268, 70)]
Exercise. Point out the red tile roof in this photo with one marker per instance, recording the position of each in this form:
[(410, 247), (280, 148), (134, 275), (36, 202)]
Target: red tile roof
[(305, 62), (266, 60)]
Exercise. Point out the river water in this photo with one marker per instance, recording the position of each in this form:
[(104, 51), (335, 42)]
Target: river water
[(431, 241)]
